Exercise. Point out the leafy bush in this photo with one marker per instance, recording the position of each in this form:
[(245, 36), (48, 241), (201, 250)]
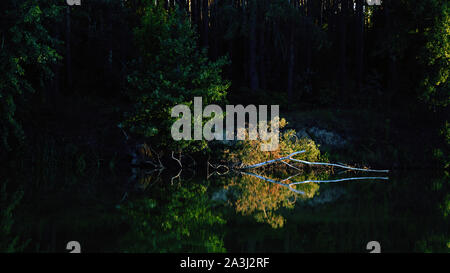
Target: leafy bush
[(263, 199), (170, 70), (248, 151), (436, 55), (27, 51)]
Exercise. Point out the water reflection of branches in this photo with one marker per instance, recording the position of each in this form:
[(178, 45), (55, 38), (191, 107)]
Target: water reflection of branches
[(219, 169), (289, 185), (264, 200)]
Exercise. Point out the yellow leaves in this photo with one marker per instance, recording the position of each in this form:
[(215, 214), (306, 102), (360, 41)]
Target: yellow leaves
[(263, 200), (145, 150), (250, 153), (275, 221), (283, 123)]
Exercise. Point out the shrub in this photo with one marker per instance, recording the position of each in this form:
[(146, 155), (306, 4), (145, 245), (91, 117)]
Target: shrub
[(170, 70)]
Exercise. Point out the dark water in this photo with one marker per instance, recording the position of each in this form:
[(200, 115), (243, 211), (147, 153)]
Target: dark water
[(236, 213)]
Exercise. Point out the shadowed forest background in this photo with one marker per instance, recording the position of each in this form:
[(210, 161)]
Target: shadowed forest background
[(81, 87)]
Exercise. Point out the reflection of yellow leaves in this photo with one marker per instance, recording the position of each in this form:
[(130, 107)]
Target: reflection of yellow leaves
[(274, 220), (145, 151), (263, 199), (144, 181), (310, 189)]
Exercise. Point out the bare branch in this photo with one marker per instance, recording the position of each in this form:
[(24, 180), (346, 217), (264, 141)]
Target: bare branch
[(272, 161), (177, 160), (289, 157)]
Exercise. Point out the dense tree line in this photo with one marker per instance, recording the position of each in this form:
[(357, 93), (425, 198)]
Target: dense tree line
[(323, 52)]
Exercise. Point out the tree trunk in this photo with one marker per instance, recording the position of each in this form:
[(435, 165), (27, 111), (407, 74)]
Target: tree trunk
[(308, 27), (291, 62), (230, 52), (109, 41), (52, 93), (342, 48), (215, 35), (253, 70), (68, 50), (359, 43), (205, 21), (198, 11), (195, 11), (392, 61), (262, 47)]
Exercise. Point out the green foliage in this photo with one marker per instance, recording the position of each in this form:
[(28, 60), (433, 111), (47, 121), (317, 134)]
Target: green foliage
[(433, 244), (436, 53), (417, 43), (9, 242), (442, 153), (183, 222), (418, 36), (171, 70), (26, 52), (446, 206)]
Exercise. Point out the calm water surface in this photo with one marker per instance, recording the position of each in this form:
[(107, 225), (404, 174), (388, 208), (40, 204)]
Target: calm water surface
[(237, 213)]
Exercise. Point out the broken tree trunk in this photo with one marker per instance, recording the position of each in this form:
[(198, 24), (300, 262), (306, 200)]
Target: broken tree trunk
[(289, 157)]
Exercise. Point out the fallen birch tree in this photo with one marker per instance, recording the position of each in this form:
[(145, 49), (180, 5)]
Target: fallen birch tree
[(289, 157)]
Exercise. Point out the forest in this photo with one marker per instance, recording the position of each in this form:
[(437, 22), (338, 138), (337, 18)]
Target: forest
[(86, 92)]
